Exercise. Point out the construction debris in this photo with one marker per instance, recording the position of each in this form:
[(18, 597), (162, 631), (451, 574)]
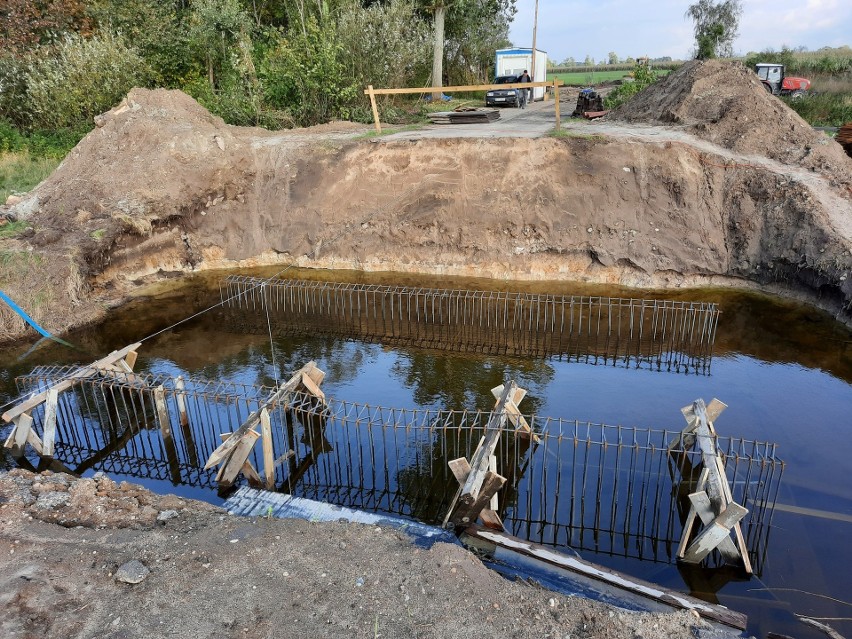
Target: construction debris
[(589, 100)]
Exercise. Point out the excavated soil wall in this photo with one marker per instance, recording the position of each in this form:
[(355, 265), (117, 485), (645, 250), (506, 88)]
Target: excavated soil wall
[(162, 186)]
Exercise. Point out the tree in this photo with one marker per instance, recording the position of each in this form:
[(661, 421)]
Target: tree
[(569, 62), (613, 57), (716, 26), (589, 61)]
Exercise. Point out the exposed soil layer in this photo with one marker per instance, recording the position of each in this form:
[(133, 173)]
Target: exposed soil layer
[(162, 186), (213, 575)]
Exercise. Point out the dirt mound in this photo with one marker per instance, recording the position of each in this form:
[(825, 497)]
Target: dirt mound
[(723, 102), (208, 574)]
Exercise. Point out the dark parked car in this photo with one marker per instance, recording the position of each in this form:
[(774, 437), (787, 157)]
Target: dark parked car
[(504, 97)]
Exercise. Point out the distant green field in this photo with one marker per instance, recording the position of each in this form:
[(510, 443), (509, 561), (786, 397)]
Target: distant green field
[(592, 77)]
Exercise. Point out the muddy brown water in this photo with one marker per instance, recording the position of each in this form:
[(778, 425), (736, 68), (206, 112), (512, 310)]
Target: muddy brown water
[(784, 369)]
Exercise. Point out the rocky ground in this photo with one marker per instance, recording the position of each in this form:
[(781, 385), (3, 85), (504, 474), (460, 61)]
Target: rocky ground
[(92, 558)]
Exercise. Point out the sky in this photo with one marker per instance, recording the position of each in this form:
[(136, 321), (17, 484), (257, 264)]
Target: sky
[(658, 28)]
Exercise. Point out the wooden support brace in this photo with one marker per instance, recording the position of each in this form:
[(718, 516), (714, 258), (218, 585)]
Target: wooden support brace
[(282, 393), (312, 388), (513, 412), (467, 512), (162, 411), (82, 373), (284, 457), (23, 425), (268, 453), (712, 535), (237, 459), (372, 95), (701, 504), (690, 518), (50, 422), (180, 396)]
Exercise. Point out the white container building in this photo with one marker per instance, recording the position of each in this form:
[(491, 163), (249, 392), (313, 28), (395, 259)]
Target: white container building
[(514, 61)]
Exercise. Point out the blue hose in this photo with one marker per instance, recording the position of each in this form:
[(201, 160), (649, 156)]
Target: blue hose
[(29, 320)]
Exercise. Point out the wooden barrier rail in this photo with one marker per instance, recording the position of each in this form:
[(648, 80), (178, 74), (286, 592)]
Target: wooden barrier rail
[(370, 91)]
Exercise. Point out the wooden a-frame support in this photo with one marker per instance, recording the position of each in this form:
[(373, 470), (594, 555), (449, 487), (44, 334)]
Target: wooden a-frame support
[(232, 455), (120, 361), (476, 497), (712, 501)]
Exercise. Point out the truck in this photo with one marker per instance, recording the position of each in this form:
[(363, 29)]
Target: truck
[(513, 62)]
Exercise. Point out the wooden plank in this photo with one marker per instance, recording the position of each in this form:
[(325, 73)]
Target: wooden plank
[(701, 503), (229, 444), (491, 519), (50, 421), (612, 578), (372, 93), (556, 105), (83, 372), (513, 411), (162, 411), (268, 453), (479, 461), (237, 459), (492, 466), (315, 373), (690, 518), (460, 88), (130, 359), (251, 474), (284, 457), (713, 534), (468, 512), (22, 429), (180, 396), (714, 409), (312, 388), (460, 468), (35, 442), (738, 531)]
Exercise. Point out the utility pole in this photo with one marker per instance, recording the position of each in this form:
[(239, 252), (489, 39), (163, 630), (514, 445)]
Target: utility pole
[(535, 26)]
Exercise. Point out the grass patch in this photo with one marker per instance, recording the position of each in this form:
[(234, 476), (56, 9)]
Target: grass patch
[(823, 109), (565, 133), (12, 229), (20, 171), (98, 235)]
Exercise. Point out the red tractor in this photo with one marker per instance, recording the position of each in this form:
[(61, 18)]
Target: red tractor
[(775, 82)]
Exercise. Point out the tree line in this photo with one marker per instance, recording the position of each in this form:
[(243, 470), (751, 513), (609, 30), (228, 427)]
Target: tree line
[(271, 63)]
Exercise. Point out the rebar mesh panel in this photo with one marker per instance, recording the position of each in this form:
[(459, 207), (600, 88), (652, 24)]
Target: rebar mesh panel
[(610, 489), (660, 334)]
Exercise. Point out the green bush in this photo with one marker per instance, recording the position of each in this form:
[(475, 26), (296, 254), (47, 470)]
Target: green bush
[(825, 109), (305, 74), (643, 76), (69, 84)]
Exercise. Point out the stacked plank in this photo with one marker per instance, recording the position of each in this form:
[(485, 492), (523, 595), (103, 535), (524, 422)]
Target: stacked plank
[(466, 115), (844, 137)]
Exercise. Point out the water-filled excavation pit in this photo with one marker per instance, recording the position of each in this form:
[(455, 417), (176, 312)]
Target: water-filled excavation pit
[(408, 376)]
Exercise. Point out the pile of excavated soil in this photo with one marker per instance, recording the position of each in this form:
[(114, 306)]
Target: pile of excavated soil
[(67, 547), (725, 103)]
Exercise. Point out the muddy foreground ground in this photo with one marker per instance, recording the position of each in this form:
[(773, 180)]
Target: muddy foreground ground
[(62, 541)]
